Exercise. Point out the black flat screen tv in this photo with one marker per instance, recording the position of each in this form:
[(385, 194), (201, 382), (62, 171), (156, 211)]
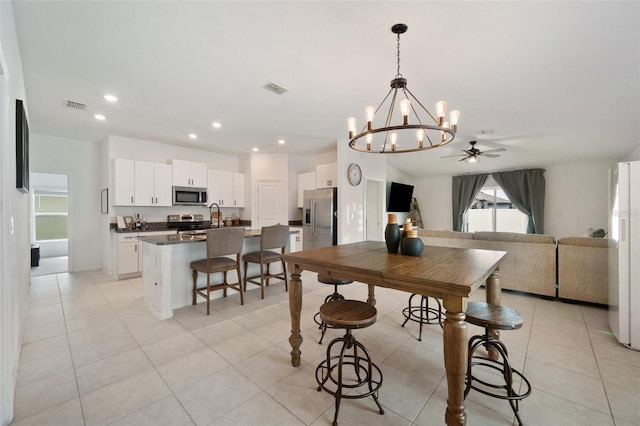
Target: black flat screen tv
[(22, 148), (400, 196)]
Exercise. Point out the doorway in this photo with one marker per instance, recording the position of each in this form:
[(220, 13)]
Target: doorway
[(49, 195), (374, 202), (270, 203)]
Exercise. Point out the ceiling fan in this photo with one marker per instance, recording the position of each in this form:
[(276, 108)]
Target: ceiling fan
[(473, 154)]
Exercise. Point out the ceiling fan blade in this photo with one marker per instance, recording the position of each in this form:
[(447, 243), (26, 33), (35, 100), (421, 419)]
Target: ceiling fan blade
[(490, 155), (462, 159), (456, 155), (494, 150)]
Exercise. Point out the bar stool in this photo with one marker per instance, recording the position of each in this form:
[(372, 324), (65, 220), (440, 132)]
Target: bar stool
[(422, 313), (330, 374), (494, 317), (327, 279)]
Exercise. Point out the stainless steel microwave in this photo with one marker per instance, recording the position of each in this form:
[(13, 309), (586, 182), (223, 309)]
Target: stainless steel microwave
[(187, 196)]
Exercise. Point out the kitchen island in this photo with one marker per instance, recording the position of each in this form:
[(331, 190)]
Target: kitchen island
[(166, 272)]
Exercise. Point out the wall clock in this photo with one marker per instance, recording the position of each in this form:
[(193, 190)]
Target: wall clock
[(354, 174)]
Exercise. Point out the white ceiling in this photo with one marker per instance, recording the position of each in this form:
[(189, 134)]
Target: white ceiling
[(556, 82)]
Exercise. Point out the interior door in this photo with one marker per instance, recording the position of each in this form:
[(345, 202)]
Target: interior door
[(374, 204), (270, 203)]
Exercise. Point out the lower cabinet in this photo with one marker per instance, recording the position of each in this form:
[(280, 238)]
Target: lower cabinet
[(128, 253), (295, 240)]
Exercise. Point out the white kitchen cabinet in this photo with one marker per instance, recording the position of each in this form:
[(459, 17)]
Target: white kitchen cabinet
[(327, 175), (238, 190), (189, 173), (295, 240), (306, 181), (128, 255), (124, 178), (226, 188), (162, 181)]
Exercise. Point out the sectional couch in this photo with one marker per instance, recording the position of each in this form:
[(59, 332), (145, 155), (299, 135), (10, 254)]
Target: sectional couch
[(536, 263)]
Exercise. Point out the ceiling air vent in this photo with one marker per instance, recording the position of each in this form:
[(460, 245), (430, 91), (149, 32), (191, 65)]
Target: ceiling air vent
[(275, 88), (75, 105)]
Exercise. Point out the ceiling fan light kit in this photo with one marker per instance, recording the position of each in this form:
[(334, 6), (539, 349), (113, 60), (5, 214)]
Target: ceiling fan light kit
[(426, 130)]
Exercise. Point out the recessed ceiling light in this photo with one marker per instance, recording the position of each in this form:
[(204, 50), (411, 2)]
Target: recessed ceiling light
[(100, 117), (111, 98), (255, 150), (216, 125), (193, 136), (281, 141)]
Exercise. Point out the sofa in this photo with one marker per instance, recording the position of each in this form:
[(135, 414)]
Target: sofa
[(583, 269), (530, 263)]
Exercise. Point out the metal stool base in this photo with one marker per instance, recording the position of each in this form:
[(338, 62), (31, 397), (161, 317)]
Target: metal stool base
[(496, 390), (423, 314), (329, 374), (316, 318)]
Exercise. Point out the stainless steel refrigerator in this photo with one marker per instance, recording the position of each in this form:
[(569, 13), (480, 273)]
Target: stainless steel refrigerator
[(320, 218), (624, 254)]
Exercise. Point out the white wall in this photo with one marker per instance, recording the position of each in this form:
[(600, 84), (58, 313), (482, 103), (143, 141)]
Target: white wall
[(81, 162), (14, 217), (575, 200), (633, 155), (351, 226)]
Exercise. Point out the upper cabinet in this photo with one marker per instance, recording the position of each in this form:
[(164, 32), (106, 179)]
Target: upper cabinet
[(306, 181), (238, 190), (189, 173), (327, 175), (152, 184), (124, 179), (226, 188), (141, 183)]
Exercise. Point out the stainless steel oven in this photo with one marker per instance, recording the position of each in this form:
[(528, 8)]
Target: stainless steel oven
[(187, 196)]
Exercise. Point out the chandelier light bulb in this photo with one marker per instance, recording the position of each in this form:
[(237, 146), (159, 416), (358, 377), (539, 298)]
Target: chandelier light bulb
[(420, 136), (443, 135), (405, 107), (351, 125), (368, 113), (454, 117), (369, 138), (394, 139), (441, 110)]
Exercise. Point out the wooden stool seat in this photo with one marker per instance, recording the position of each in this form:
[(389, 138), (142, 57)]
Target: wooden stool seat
[(328, 279), (348, 314), (494, 317)]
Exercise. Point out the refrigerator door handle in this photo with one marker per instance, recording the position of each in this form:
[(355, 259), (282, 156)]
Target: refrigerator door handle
[(623, 230), (313, 217)]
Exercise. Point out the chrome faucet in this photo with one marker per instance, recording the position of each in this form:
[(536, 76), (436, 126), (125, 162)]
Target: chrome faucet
[(211, 205)]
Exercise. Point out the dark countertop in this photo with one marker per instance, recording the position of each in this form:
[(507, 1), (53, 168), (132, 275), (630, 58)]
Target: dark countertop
[(183, 238)]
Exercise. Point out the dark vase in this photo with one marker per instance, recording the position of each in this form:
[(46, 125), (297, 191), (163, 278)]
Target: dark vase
[(411, 246), (392, 237)]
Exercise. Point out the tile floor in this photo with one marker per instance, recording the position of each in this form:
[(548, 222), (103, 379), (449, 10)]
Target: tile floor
[(93, 355)]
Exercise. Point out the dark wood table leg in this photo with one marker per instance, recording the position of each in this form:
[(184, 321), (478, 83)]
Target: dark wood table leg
[(295, 308), (455, 358), (371, 300), (494, 296)]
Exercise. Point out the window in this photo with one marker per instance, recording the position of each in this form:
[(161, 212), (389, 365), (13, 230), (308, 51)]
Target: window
[(492, 211), (50, 211)]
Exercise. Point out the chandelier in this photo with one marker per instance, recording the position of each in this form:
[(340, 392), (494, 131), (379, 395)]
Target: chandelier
[(417, 129)]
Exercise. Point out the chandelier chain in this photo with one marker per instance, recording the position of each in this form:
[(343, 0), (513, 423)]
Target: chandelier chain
[(398, 75)]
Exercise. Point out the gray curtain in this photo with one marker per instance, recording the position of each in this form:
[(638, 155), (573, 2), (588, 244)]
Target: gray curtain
[(464, 191), (525, 189)]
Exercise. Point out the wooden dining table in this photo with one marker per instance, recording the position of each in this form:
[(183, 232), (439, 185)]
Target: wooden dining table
[(450, 274)]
